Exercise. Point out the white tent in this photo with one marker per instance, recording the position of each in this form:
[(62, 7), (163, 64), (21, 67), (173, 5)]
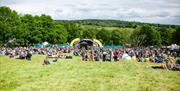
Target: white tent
[(45, 43), (173, 46)]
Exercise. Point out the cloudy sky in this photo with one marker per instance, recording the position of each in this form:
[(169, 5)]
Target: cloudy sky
[(152, 11)]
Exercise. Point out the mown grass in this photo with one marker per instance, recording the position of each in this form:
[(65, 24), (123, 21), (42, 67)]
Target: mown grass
[(75, 75), (108, 28)]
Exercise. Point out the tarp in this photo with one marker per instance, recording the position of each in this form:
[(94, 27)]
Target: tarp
[(38, 45), (112, 46), (62, 44)]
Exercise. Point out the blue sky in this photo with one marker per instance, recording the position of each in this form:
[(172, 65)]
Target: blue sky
[(151, 11)]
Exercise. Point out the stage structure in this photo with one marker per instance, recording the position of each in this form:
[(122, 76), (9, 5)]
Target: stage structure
[(86, 43)]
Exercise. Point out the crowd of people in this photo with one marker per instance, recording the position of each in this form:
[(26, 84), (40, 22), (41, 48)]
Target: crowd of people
[(139, 54), (22, 53), (149, 54), (27, 52), (168, 56)]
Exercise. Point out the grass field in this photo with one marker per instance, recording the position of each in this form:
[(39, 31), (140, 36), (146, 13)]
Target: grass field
[(75, 75), (108, 28)]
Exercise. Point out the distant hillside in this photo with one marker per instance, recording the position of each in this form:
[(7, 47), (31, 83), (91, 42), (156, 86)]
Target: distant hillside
[(115, 23)]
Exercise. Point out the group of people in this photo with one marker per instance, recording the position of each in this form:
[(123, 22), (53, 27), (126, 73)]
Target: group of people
[(22, 53), (27, 52), (149, 54), (158, 55), (169, 65), (139, 54)]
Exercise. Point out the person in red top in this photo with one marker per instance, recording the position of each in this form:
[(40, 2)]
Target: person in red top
[(116, 53)]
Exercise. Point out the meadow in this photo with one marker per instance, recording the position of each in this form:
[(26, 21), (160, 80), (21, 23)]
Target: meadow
[(75, 75)]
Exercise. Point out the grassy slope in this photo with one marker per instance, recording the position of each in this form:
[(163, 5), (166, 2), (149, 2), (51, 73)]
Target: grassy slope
[(73, 75), (108, 28)]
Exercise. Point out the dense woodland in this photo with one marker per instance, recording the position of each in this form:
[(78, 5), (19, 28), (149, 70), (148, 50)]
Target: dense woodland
[(27, 30)]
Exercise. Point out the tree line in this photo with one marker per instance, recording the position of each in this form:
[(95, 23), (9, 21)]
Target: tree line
[(28, 30), (117, 23)]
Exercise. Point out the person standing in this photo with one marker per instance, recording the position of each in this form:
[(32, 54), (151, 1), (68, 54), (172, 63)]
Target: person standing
[(92, 55), (84, 54), (111, 54), (116, 53)]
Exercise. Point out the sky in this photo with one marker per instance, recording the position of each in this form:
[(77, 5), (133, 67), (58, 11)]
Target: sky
[(150, 11)]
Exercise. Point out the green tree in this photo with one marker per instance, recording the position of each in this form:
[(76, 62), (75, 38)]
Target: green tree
[(73, 29), (104, 35), (89, 33), (59, 34), (166, 35), (126, 34), (117, 37), (23, 35), (176, 36), (146, 36), (9, 21)]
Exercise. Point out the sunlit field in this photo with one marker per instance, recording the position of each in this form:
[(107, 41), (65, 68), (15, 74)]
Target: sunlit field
[(75, 75)]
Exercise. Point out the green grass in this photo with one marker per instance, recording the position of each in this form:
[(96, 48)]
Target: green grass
[(75, 75), (108, 28)]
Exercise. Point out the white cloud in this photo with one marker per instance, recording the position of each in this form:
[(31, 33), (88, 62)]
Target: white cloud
[(153, 11)]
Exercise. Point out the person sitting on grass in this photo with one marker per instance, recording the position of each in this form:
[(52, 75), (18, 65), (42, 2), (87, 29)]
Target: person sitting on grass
[(22, 54), (168, 65), (12, 54), (56, 59), (46, 61)]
